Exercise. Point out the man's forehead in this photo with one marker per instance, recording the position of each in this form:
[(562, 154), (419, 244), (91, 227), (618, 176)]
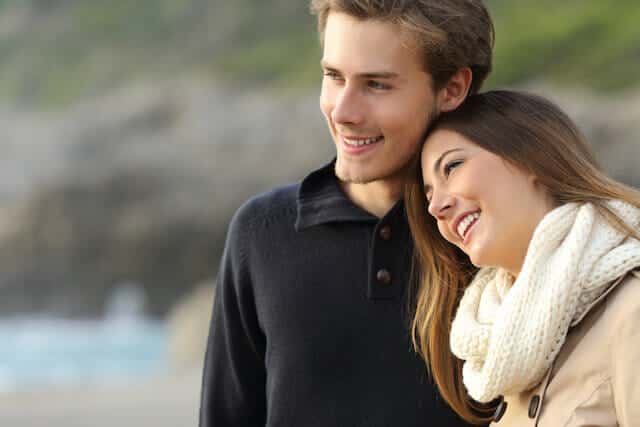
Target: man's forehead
[(371, 45)]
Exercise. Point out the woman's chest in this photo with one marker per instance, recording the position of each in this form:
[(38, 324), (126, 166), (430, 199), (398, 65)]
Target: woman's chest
[(577, 390)]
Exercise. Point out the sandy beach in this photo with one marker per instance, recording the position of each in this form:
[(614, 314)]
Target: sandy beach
[(161, 402)]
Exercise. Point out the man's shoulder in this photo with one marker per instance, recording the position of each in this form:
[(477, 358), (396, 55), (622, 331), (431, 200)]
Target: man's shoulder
[(277, 203)]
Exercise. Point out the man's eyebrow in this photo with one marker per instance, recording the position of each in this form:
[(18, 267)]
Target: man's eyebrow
[(436, 165), (379, 75), (365, 75)]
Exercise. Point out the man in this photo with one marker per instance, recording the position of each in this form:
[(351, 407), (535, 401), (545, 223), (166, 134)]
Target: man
[(310, 325)]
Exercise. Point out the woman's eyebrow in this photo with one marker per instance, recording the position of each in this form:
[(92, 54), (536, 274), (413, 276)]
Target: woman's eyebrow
[(436, 165)]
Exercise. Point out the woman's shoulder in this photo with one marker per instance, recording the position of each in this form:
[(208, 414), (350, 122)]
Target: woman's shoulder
[(621, 317), (623, 325), (593, 374), (624, 301), (617, 310)]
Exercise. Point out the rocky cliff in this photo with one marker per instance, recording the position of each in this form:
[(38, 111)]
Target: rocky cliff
[(140, 185)]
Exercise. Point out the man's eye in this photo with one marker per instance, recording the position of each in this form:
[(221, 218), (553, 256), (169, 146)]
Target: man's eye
[(373, 84), (449, 167), (331, 74)]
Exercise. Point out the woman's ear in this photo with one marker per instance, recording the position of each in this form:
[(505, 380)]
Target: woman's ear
[(535, 181), (543, 190), (455, 91)]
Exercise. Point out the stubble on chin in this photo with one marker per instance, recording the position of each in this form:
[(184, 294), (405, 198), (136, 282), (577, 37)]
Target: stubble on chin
[(350, 178), (361, 177), (347, 175)]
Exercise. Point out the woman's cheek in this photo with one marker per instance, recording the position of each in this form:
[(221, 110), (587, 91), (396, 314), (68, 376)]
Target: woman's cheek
[(444, 231)]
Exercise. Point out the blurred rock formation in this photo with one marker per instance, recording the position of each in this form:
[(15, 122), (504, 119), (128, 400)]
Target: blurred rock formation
[(188, 328), (140, 185)]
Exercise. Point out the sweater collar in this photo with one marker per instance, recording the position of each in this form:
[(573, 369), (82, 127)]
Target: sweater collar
[(321, 200)]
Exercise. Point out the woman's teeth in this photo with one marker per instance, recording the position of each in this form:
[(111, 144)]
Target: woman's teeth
[(359, 142), (466, 223)]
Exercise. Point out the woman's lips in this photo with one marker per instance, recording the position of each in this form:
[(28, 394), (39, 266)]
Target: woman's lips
[(464, 225)]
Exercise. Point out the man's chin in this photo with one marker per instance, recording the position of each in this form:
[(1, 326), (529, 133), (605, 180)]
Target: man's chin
[(354, 177), (351, 175)]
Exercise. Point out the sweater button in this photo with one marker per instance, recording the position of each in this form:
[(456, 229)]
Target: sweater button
[(533, 406), (385, 232), (500, 410), (383, 276)]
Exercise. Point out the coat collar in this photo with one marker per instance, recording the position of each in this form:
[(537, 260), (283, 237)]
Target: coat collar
[(321, 200), (611, 287)]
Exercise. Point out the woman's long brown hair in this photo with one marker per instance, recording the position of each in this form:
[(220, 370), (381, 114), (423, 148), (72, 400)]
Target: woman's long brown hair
[(533, 134)]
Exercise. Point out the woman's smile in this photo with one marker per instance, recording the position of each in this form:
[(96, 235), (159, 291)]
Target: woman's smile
[(465, 222), (468, 190)]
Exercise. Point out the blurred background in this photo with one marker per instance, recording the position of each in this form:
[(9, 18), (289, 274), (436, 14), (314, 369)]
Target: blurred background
[(130, 131)]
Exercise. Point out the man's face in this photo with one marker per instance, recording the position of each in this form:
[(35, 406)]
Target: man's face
[(376, 97)]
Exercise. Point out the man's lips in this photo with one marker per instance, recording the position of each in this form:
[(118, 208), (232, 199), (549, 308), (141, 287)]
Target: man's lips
[(360, 141), (359, 144)]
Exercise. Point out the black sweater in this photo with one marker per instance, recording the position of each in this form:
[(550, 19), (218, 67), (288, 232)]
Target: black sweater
[(310, 323)]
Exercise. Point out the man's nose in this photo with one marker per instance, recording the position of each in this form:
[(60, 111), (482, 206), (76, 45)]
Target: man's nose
[(349, 107)]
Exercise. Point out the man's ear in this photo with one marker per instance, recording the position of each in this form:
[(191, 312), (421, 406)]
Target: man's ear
[(455, 91)]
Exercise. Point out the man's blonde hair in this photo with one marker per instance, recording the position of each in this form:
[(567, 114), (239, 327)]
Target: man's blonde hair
[(450, 34)]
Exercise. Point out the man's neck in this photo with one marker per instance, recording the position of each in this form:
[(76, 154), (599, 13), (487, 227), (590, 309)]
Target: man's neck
[(376, 197)]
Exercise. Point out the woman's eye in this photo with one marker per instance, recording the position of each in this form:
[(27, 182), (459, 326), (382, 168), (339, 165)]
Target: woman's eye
[(449, 167)]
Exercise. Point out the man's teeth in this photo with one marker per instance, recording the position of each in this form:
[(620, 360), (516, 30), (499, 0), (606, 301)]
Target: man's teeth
[(466, 223), (359, 142)]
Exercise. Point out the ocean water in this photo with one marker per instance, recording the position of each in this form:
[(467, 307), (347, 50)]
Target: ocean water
[(42, 351)]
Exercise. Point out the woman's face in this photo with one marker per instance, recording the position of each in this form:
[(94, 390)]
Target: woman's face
[(486, 206)]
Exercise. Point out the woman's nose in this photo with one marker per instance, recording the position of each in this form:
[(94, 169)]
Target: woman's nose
[(440, 204)]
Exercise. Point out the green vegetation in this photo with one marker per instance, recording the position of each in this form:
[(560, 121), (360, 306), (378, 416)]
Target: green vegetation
[(595, 43), (56, 51)]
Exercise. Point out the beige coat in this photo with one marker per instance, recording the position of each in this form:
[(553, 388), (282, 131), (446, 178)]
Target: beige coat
[(595, 380)]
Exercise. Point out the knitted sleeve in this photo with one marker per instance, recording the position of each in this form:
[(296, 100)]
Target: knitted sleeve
[(233, 386)]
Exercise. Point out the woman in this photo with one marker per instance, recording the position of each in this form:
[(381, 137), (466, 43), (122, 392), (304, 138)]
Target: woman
[(546, 321)]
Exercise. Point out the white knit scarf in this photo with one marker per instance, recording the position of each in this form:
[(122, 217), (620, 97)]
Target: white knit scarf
[(508, 333)]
